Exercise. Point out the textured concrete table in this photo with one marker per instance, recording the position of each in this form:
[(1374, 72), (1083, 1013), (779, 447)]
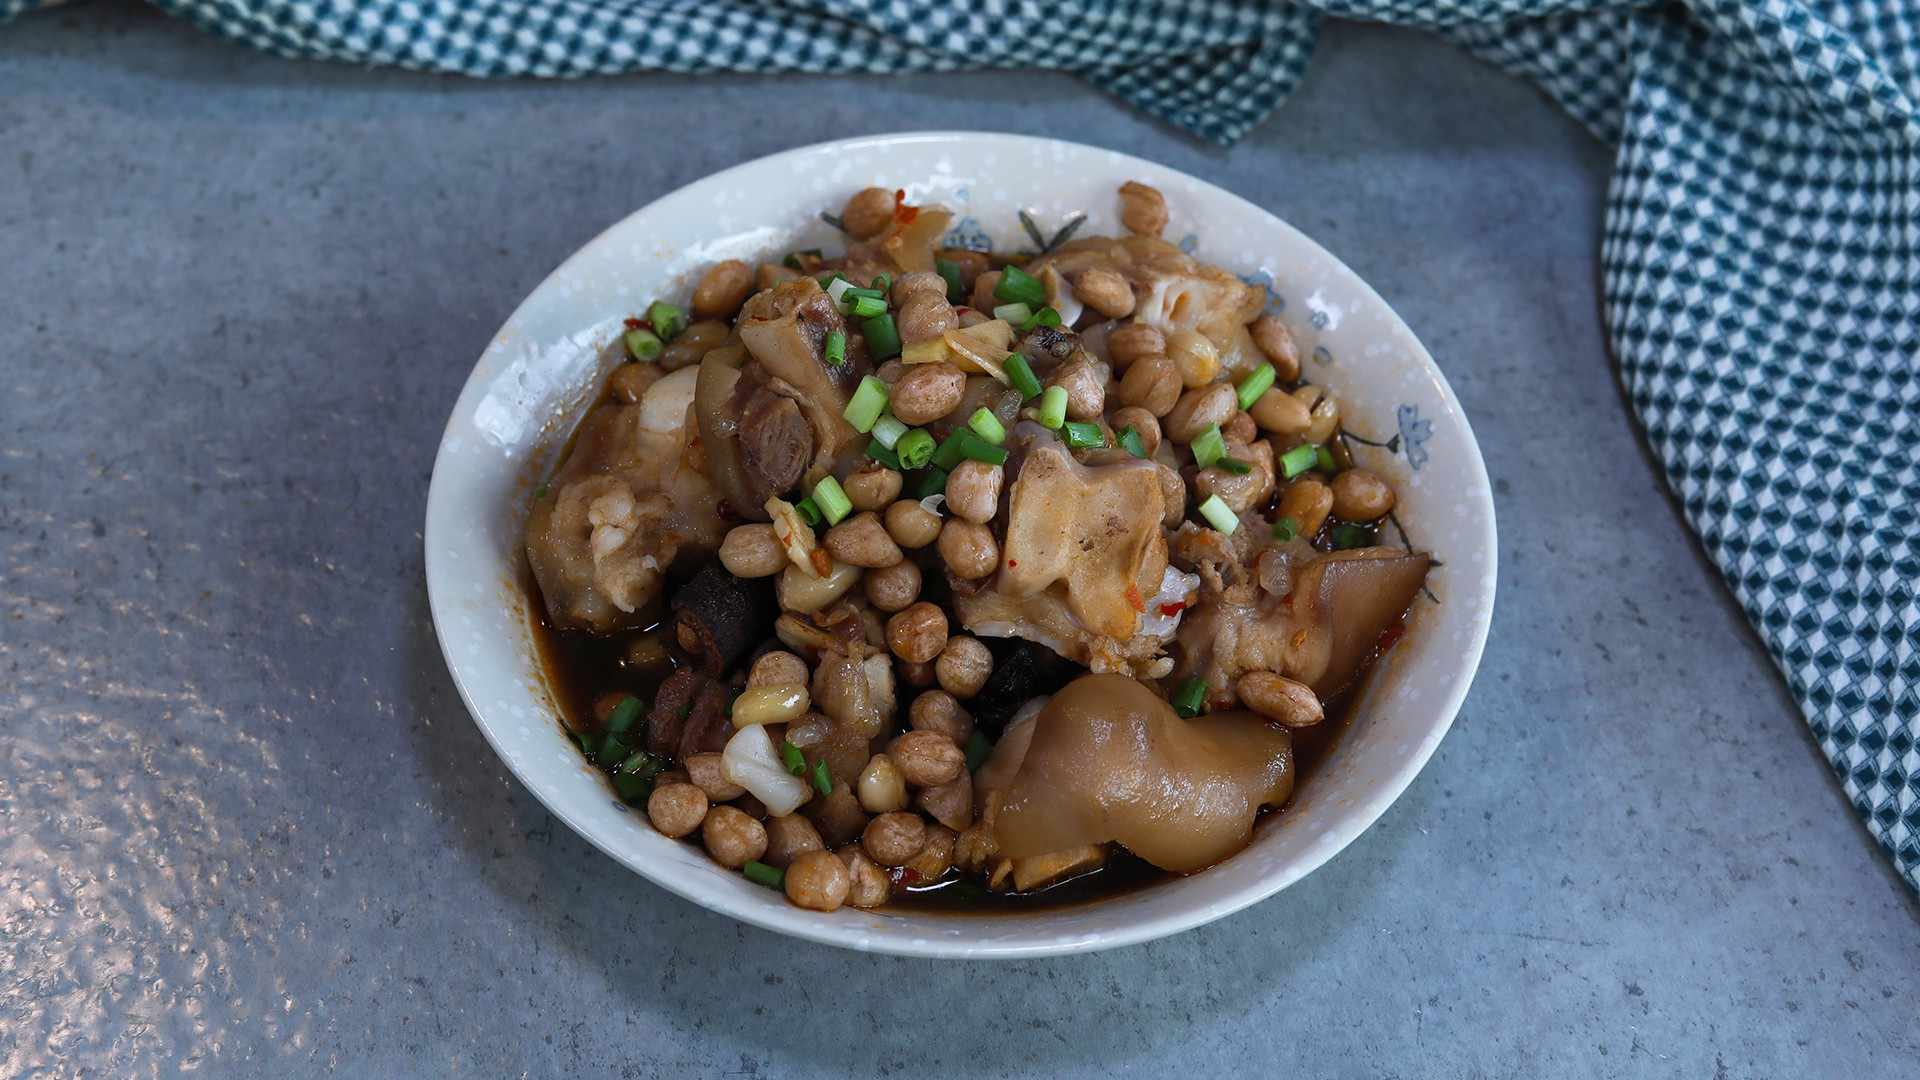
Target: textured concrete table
[(246, 827)]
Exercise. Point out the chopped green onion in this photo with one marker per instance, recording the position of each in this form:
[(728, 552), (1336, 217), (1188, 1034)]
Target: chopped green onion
[(832, 500), (1017, 314), (1020, 374), (540, 492), (987, 425), (1209, 446), (632, 787), (915, 449), (869, 401), (1131, 442), (883, 340), (932, 482), (878, 451), (1046, 316), (867, 307), (836, 348), (857, 293), (1053, 408), (1298, 460), (1351, 536), (643, 344), (623, 715), (888, 430), (1323, 457), (761, 874), (809, 512), (977, 750), (590, 743), (965, 445), (795, 259), (838, 289), (828, 277), (1085, 435), (1235, 466), (950, 271), (1016, 286), (614, 750), (822, 779), (1219, 515), (667, 320), (949, 454), (1286, 529), (791, 757), (1254, 385), (1191, 699), (881, 283)]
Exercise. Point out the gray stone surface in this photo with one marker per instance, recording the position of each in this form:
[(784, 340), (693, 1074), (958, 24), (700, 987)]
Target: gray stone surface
[(246, 827)]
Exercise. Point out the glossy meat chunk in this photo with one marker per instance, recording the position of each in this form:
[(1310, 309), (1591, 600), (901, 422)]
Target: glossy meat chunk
[(625, 504), (1108, 760)]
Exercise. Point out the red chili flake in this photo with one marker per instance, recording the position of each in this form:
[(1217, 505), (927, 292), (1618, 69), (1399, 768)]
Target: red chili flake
[(822, 562), (1134, 599), (1174, 608), (1011, 563), (1390, 635), (635, 324), (903, 213)]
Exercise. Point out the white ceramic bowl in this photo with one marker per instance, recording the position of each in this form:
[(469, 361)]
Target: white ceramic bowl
[(534, 378)]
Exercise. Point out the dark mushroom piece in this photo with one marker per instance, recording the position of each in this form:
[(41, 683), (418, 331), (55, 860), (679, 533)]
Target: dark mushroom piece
[(719, 618)]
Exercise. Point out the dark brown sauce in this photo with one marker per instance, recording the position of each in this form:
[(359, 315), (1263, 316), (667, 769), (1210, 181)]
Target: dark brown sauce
[(581, 667)]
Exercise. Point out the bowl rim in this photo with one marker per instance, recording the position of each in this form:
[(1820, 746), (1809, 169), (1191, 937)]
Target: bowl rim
[(1380, 796)]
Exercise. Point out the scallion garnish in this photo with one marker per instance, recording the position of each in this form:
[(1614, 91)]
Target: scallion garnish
[(1020, 374), (1219, 515), (1016, 314), (1046, 316), (797, 260), (836, 348), (964, 445), (987, 425), (1084, 435), (808, 510), (1130, 441), (883, 339), (1323, 458), (623, 715), (791, 757), (914, 449), (1285, 529), (868, 402), (838, 289), (1053, 408), (932, 482), (822, 779), (879, 452), (1254, 385), (1191, 699), (867, 307), (950, 272), (1351, 536), (977, 748), (888, 430), (1235, 466), (1016, 286), (1208, 447), (832, 500), (881, 283), (1298, 460), (613, 750), (761, 874), (667, 320), (643, 344)]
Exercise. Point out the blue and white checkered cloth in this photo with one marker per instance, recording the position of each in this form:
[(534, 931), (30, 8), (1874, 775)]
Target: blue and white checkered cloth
[(1761, 258)]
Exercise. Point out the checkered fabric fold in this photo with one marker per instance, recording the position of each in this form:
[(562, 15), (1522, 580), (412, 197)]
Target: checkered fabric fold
[(1761, 257)]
